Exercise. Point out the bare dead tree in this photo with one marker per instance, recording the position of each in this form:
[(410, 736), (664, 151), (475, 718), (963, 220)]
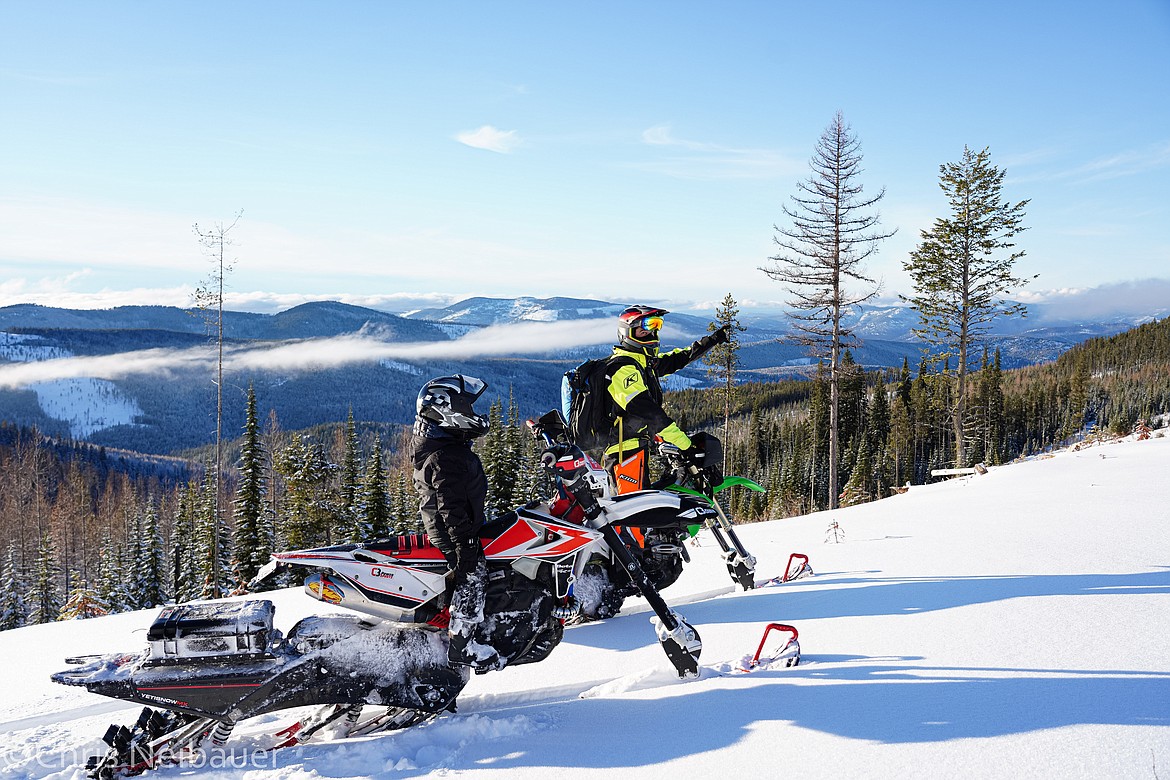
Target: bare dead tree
[(215, 242), (832, 231)]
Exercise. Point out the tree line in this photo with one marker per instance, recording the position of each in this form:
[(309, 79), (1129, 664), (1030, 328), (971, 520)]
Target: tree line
[(897, 426), (81, 539)]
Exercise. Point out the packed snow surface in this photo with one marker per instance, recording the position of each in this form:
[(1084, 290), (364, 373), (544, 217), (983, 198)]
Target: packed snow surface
[(1006, 625)]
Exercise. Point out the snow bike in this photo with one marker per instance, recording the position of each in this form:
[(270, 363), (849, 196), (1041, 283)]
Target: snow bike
[(209, 666), (660, 547)]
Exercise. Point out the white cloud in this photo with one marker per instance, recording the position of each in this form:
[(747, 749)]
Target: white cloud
[(491, 139), (1129, 162), (300, 355), (700, 160), (1139, 297)]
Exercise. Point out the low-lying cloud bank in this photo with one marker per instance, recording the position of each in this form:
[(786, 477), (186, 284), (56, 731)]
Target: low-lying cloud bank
[(527, 338), (1149, 297)]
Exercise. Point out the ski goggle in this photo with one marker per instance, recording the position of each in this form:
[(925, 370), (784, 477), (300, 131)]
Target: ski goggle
[(652, 322)]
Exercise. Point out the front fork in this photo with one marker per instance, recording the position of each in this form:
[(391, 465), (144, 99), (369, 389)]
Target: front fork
[(678, 638), (740, 563)]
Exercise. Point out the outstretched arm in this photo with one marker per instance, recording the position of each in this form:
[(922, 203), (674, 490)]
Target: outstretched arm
[(678, 359)]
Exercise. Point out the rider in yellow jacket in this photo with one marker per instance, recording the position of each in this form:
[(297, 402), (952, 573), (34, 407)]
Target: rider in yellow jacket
[(635, 370)]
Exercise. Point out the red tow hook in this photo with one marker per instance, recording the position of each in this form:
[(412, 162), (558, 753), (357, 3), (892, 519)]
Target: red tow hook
[(774, 627), (291, 733)]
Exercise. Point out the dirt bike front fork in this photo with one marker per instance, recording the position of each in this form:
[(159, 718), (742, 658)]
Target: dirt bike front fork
[(678, 638), (741, 564)]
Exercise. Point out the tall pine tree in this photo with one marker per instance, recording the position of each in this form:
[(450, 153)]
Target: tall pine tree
[(46, 599), (252, 544), (832, 232), (962, 269)]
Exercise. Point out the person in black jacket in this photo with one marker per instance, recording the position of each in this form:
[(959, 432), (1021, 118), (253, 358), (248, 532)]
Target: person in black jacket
[(452, 486)]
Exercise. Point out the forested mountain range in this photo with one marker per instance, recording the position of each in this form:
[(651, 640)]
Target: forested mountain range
[(174, 411)]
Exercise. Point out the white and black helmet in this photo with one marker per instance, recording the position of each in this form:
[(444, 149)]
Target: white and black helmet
[(447, 402)]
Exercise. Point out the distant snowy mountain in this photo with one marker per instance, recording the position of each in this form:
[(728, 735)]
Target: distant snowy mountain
[(499, 311), (173, 408), (495, 311), (309, 320)]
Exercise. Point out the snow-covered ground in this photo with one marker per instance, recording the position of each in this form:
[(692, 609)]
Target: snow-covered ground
[(1007, 625), (86, 405)]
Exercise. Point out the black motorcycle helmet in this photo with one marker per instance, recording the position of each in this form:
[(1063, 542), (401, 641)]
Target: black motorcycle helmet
[(446, 402), (638, 328)]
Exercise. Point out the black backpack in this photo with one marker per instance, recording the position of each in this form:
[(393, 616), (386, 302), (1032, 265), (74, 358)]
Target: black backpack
[(586, 403)]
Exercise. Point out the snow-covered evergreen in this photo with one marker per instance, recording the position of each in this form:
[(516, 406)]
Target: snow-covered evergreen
[(149, 572), (373, 507), (310, 504), (83, 602), (347, 512), (183, 574), (251, 543), (207, 550), (45, 601), (13, 609)]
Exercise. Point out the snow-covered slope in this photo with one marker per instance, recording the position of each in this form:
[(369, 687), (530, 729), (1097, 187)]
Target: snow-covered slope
[(85, 404), (999, 626)]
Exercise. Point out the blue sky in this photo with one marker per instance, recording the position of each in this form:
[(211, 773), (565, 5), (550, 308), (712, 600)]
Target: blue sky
[(391, 154)]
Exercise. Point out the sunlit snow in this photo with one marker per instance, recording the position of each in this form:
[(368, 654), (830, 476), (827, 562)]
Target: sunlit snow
[(1005, 625)]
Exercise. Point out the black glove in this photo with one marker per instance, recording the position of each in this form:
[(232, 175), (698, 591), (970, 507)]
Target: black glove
[(468, 554), (722, 335), (706, 454)]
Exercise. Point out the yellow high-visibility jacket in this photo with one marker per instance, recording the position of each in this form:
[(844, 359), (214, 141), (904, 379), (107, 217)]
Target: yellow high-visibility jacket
[(637, 393)]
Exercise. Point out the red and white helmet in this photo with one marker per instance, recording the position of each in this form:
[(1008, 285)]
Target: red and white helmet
[(638, 328)]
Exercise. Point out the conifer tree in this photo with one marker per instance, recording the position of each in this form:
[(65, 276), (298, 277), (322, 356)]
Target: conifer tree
[(185, 584), (404, 503), (532, 480), (832, 233), (723, 360), (150, 569), (110, 580), (857, 489), (373, 507), (13, 610), (209, 296), (251, 543), (493, 453), (83, 602), (962, 269), (350, 491), (46, 600), (212, 544), (991, 392), (310, 505)]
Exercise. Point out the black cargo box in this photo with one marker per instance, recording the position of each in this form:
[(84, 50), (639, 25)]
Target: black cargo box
[(221, 631)]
